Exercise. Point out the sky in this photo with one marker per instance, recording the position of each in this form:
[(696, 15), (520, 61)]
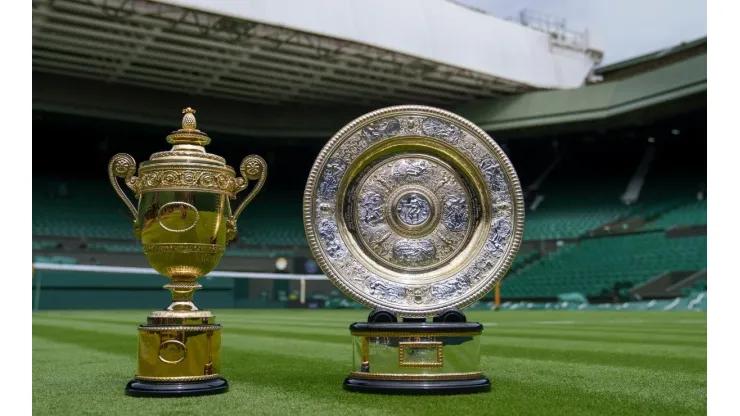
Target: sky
[(627, 28)]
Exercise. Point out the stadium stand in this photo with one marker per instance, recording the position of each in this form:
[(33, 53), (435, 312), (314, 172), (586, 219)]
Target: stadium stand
[(276, 223), (76, 214), (78, 219), (78, 208), (686, 215), (570, 210), (55, 259), (595, 266), (115, 247)]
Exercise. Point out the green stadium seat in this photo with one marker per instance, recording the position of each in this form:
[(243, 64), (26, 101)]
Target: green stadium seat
[(694, 213), (596, 265)]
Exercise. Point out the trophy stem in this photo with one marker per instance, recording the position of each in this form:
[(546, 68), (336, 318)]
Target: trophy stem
[(182, 291)]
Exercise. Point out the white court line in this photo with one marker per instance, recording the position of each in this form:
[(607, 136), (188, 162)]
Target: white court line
[(149, 270), (624, 321), (612, 321)]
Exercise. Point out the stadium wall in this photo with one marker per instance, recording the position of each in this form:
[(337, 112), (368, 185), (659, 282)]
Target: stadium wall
[(76, 289)]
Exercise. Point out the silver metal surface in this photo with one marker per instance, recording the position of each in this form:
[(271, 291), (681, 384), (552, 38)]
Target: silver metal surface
[(413, 209)]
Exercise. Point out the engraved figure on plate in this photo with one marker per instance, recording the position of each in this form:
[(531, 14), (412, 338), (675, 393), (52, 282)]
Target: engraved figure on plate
[(384, 290), (437, 128), (456, 213), (381, 129), (493, 175), (413, 209), (501, 231), (411, 169), (414, 252), (331, 177), (329, 235), (450, 288), (371, 212)]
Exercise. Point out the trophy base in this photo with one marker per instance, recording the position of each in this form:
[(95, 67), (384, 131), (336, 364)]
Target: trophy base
[(417, 357), (480, 385), (179, 355), (140, 388)]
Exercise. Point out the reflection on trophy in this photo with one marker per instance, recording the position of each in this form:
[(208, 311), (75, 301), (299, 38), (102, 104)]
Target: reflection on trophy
[(416, 213), (184, 220)]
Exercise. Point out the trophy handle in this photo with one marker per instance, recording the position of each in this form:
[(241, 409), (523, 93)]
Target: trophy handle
[(123, 166), (252, 168)]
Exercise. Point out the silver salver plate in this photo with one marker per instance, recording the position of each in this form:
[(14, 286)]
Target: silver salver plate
[(414, 210)]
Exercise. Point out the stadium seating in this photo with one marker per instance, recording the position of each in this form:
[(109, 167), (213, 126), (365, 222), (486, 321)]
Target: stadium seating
[(595, 265), (44, 245), (690, 214), (272, 225), (247, 252), (55, 259), (276, 220), (89, 209), (115, 247), (523, 259), (570, 210), (660, 194)]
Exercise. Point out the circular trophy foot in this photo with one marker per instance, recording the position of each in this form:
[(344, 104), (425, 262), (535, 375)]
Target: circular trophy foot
[(139, 388), (480, 385)]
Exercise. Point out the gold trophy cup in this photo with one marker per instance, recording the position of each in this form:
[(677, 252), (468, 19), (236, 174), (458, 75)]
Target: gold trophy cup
[(184, 220)]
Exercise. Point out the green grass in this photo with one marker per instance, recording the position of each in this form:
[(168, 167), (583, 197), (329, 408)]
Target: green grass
[(283, 362)]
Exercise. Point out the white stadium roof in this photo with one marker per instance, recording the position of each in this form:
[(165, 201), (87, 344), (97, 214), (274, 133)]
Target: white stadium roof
[(304, 51)]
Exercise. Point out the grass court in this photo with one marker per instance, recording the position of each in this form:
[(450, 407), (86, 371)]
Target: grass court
[(290, 362)]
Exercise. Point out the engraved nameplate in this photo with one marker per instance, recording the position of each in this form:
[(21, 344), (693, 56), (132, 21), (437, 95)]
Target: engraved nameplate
[(423, 354)]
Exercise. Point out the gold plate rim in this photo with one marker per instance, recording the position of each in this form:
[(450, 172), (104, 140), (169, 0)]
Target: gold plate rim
[(515, 191)]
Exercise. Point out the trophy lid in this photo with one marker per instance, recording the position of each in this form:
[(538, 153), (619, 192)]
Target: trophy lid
[(188, 145), (414, 210)]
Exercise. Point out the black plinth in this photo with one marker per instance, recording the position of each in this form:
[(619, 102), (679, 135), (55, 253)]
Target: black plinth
[(139, 388), (479, 385)]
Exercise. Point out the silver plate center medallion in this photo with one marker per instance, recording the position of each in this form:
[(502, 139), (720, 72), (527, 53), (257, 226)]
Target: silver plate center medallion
[(413, 209)]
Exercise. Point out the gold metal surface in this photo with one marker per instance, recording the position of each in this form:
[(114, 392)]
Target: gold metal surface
[(416, 354), (414, 210), (407, 350), (178, 352), (179, 379), (184, 220), (417, 377), (181, 328)]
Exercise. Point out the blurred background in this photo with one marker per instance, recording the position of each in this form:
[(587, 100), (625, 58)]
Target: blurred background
[(603, 117)]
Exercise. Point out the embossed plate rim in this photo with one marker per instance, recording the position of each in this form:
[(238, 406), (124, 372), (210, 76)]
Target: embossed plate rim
[(515, 192)]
